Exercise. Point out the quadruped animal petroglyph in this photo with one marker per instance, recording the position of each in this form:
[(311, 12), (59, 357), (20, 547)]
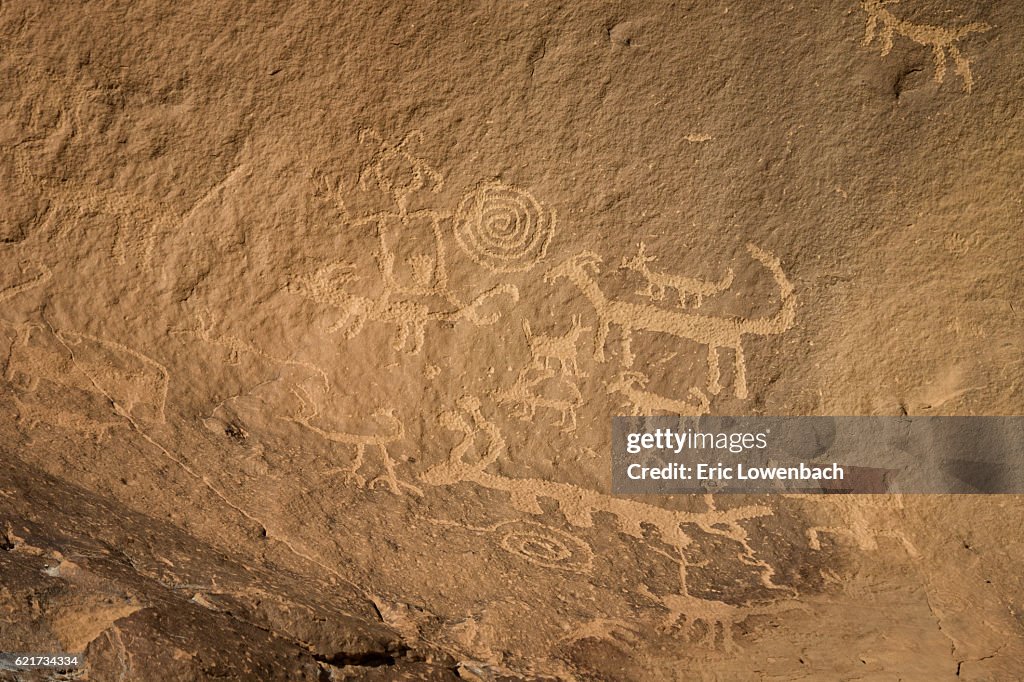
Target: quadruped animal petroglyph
[(561, 349), (713, 332), (942, 41), (686, 288), (135, 384), (469, 463)]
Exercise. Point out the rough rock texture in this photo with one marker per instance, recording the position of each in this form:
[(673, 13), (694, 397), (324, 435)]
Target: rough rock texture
[(313, 315)]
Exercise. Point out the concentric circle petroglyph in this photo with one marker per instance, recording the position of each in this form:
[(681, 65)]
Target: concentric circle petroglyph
[(545, 546), (503, 228)]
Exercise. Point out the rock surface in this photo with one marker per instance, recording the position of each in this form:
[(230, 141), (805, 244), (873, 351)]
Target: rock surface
[(314, 315)]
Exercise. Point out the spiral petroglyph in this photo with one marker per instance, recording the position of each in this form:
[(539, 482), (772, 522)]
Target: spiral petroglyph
[(503, 228), (545, 546)]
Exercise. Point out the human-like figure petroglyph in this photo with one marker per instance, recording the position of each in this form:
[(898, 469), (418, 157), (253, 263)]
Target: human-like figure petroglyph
[(396, 432), (126, 377), (391, 159), (42, 277), (942, 41), (640, 402), (329, 286), (713, 332), (416, 290), (579, 506), (503, 228), (686, 288), (558, 348), (534, 389)]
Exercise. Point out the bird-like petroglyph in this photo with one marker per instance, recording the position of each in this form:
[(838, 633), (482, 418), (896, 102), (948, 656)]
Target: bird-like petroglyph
[(395, 432), (503, 228), (561, 349), (640, 402), (942, 41), (543, 389), (863, 521), (713, 332), (686, 288)]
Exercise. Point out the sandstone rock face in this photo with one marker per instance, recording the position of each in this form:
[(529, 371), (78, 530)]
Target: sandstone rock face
[(313, 316)]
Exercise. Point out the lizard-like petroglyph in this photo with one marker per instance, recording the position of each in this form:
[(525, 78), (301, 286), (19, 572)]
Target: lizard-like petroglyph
[(503, 228), (559, 348), (466, 463), (329, 286), (713, 332), (396, 432), (543, 388), (640, 402), (685, 287), (940, 40)]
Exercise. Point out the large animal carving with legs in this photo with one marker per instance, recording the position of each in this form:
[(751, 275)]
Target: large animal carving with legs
[(713, 332)]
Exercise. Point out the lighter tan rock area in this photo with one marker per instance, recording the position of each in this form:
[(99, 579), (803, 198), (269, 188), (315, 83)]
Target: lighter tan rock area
[(313, 317)]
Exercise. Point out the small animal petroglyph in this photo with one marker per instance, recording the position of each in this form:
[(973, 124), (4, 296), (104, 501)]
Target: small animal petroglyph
[(503, 228), (310, 411), (713, 332), (685, 287), (543, 389), (560, 348), (75, 360), (940, 40), (640, 402), (865, 519), (42, 277)]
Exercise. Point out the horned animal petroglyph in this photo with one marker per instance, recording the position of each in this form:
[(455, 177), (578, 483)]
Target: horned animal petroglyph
[(561, 348), (685, 287), (713, 332), (940, 40), (641, 402), (310, 411)]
